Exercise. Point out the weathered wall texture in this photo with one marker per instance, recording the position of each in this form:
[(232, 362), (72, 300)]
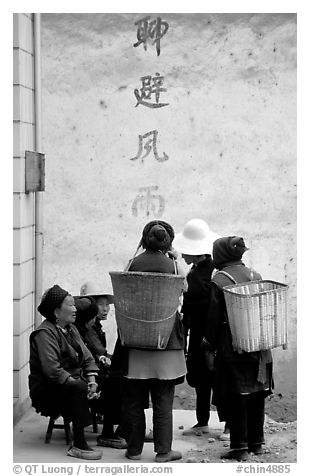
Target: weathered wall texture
[(24, 123), (228, 135)]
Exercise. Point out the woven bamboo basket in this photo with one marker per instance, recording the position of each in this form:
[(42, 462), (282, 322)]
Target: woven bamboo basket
[(257, 314), (145, 307)]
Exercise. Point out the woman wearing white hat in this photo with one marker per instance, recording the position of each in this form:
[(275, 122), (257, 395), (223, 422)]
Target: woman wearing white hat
[(96, 337), (110, 402), (195, 243)]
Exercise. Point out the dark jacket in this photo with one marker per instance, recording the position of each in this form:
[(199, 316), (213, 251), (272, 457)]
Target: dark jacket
[(53, 358), (95, 339), (152, 262), (195, 308), (236, 372)]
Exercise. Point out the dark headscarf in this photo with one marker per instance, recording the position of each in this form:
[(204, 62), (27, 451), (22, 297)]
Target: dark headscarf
[(86, 309), (227, 249), (157, 235), (51, 300)]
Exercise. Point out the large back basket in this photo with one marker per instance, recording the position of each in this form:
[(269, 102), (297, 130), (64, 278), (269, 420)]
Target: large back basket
[(145, 307), (257, 314)]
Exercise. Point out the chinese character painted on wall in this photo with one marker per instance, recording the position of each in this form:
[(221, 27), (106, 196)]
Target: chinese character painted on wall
[(149, 88), (148, 202), (154, 30), (148, 143)]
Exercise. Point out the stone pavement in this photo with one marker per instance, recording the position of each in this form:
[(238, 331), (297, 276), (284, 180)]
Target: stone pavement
[(29, 446)]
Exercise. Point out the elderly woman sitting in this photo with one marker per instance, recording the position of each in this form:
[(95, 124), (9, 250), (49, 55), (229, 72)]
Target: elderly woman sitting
[(62, 370)]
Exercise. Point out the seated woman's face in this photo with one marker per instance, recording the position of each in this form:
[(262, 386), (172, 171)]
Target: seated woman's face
[(66, 313), (103, 308)]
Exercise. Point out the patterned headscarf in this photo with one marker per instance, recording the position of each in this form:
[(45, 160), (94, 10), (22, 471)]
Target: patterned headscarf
[(226, 249), (51, 300)]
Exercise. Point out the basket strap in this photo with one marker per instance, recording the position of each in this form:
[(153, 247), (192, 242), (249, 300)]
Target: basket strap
[(143, 320), (175, 266), (228, 276), (131, 260)]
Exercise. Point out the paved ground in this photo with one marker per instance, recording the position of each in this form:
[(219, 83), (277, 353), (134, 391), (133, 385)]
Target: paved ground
[(29, 446)]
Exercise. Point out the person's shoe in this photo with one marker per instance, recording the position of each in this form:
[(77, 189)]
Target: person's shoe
[(134, 457), (196, 429), (165, 457), (257, 450), (149, 437), (239, 455), (114, 441), (84, 454), (119, 432)]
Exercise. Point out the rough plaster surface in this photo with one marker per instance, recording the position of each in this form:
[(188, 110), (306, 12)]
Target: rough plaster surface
[(229, 132)]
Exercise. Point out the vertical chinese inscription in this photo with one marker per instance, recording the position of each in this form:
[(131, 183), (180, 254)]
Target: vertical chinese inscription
[(150, 86), (148, 202), (150, 31), (147, 144), (153, 30)]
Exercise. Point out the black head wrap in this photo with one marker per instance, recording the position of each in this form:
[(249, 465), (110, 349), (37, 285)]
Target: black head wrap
[(226, 249), (86, 309), (157, 236), (51, 300)]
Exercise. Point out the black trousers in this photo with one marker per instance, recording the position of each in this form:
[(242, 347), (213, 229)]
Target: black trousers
[(246, 420), (73, 402), (136, 393), (203, 399), (111, 404)]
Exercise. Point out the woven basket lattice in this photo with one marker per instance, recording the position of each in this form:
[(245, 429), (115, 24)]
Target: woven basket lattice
[(145, 307), (257, 314)]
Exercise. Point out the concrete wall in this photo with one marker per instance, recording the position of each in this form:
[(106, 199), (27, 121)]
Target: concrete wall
[(23, 204), (226, 142)]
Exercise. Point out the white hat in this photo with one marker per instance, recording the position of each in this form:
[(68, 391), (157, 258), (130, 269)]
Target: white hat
[(90, 289), (196, 238)]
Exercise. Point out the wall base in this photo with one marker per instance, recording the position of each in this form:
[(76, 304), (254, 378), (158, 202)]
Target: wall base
[(20, 408)]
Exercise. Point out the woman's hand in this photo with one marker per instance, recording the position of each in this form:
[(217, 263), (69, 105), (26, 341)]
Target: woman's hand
[(172, 253), (105, 361), (181, 265), (92, 389)]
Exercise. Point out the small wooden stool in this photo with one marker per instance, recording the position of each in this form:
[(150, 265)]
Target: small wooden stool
[(65, 426)]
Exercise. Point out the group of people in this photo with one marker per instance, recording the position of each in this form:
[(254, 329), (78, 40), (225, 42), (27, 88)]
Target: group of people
[(71, 371)]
